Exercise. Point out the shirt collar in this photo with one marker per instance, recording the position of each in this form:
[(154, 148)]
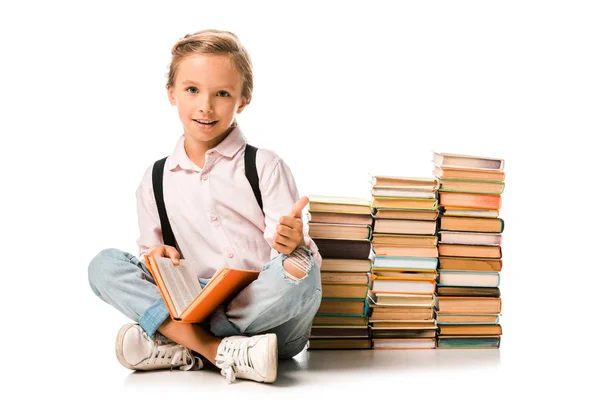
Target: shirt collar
[(229, 147)]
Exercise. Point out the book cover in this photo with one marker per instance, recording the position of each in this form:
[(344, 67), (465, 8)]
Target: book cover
[(470, 238), (468, 173), (468, 278), (183, 295), (404, 202), (470, 264), (471, 224), (342, 248), (471, 186), (428, 183), (470, 200), (468, 342), (338, 204), (460, 291), (405, 213), (467, 161)]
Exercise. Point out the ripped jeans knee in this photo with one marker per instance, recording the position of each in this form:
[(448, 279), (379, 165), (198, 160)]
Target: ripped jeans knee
[(297, 265)]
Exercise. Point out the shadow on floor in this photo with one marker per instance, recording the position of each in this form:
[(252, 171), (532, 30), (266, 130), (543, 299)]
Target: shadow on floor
[(313, 363)]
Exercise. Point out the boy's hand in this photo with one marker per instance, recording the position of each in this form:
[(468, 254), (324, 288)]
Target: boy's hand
[(289, 233), (163, 250)]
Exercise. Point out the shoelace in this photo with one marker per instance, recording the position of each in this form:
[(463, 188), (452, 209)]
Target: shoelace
[(189, 361), (234, 358), (162, 352)]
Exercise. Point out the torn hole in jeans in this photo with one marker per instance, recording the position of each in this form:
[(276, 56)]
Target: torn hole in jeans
[(300, 259)]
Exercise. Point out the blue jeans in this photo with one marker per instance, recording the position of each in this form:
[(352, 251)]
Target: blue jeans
[(271, 304)]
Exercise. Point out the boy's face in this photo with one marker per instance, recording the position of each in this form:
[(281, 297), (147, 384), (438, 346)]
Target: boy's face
[(208, 94)]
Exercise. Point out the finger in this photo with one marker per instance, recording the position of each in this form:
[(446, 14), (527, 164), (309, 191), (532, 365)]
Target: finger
[(278, 248), (173, 254), (277, 245), (156, 250), (284, 241), (291, 222), (283, 249), (298, 207), (285, 231)]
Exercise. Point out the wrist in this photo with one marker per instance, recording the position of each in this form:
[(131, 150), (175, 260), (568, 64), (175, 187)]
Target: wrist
[(302, 242)]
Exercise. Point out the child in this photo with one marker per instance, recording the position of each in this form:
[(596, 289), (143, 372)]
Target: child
[(216, 221)]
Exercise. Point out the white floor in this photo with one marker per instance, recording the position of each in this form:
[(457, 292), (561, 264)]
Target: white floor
[(87, 366)]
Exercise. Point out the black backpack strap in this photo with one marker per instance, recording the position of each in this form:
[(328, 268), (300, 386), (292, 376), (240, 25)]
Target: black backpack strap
[(252, 174), (157, 185)]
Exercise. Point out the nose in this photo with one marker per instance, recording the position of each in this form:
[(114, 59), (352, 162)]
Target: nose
[(205, 103)]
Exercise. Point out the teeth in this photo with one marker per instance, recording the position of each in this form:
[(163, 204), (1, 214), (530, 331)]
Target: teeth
[(204, 122)]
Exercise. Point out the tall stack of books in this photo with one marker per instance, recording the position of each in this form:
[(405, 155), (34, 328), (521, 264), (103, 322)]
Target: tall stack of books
[(470, 258), (341, 228), (403, 277)]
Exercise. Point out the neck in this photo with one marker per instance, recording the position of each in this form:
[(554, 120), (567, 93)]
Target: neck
[(196, 149)]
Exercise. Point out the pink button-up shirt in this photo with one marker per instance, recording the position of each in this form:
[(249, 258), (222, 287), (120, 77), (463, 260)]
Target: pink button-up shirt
[(214, 215)]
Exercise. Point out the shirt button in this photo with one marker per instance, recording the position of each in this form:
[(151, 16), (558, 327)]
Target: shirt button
[(229, 254), (204, 177), (213, 217)]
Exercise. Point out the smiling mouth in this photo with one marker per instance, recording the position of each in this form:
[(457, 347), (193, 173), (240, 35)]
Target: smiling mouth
[(206, 122)]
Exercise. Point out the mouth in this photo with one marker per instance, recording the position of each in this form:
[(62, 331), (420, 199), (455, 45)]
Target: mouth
[(205, 122)]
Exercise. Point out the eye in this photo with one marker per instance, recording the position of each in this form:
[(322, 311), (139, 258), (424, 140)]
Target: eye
[(195, 90), (222, 93)]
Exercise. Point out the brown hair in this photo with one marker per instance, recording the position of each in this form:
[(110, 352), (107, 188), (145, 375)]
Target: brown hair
[(212, 41)]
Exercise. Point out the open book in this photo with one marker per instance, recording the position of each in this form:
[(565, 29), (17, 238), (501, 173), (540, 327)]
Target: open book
[(186, 300)]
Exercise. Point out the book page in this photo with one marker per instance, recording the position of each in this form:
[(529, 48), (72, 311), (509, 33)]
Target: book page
[(180, 281)]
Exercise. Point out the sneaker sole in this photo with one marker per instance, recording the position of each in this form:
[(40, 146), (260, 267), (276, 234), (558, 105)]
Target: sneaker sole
[(119, 346), (273, 358)]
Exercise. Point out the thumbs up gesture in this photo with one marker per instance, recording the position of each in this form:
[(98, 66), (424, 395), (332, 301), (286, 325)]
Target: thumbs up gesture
[(289, 233)]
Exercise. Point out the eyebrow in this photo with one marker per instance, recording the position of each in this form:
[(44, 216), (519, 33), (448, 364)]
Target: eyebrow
[(188, 82)]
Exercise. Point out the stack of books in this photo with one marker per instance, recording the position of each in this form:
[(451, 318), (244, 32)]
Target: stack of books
[(470, 256), (403, 276), (341, 227)]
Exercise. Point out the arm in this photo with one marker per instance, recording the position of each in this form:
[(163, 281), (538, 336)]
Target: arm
[(148, 220), (280, 194)]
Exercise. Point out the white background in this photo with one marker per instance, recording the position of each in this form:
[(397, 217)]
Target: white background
[(342, 90)]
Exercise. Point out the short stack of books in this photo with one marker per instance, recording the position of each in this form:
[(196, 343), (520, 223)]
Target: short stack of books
[(341, 228), (470, 256), (403, 276)]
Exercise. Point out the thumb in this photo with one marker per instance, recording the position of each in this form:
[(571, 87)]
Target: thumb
[(298, 207), (173, 254)]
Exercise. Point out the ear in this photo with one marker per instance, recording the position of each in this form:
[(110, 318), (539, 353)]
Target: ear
[(242, 105), (171, 94)]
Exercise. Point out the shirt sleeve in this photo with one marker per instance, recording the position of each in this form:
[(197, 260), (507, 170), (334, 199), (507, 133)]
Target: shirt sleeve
[(148, 220), (279, 194)]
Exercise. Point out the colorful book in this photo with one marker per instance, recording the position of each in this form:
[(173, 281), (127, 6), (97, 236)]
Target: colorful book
[(185, 299)]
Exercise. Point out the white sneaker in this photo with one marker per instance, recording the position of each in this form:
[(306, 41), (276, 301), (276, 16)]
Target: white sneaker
[(253, 357), (135, 350)]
